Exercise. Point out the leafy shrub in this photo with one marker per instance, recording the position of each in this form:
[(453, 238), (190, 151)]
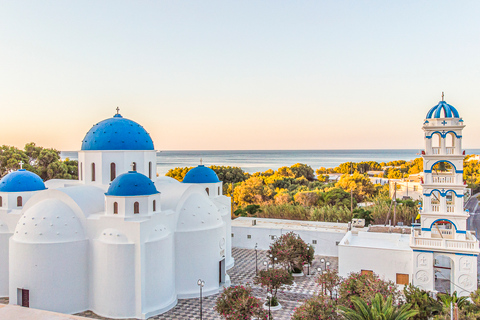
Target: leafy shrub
[(273, 279), (291, 251), (238, 303), (317, 307)]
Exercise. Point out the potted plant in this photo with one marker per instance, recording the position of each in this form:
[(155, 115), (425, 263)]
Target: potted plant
[(273, 279)]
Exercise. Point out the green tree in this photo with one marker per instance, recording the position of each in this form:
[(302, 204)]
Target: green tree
[(360, 184), (178, 173), (291, 251), (361, 213), (317, 307), (238, 303), (302, 170), (420, 300), (379, 309), (307, 198), (273, 279), (251, 191)]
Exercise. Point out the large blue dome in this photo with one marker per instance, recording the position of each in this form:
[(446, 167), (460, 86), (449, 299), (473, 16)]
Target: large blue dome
[(21, 181), (131, 183), (117, 133), (201, 174), (442, 110)]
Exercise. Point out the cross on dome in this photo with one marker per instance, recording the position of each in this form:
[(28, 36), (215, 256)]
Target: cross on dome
[(443, 96), (132, 165), (21, 164), (118, 110), (201, 161)]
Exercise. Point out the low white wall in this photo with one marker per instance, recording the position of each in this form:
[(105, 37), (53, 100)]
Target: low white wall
[(326, 241), (385, 262), (4, 263)]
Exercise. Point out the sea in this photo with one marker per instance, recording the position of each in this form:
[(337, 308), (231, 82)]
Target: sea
[(261, 160)]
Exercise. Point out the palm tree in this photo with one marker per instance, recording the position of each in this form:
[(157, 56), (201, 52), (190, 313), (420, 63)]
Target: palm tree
[(447, 300), (378, 310)]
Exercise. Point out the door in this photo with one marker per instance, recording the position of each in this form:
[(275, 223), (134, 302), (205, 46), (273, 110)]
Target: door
[(221, 271), (25, 298)]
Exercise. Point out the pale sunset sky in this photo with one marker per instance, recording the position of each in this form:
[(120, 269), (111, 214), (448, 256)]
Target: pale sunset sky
[(228, 75)]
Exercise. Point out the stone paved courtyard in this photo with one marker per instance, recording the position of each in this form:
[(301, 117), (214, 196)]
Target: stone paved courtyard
[(243, 272)]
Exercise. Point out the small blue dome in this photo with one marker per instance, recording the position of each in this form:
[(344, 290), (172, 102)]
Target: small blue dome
[(21, 181), (117, 133), (448, 111), (201, 174), (131, 183)]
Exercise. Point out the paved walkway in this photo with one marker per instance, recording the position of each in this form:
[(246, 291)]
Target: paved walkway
[(243, 272)]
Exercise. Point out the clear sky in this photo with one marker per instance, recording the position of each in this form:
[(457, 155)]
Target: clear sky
[(238, 74)]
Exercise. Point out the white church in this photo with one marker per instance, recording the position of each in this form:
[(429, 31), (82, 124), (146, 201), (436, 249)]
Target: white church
[(119, 241)]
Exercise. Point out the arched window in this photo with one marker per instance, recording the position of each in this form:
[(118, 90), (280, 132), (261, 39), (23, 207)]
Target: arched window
[(150, 170), (93, 171), (208, 191), (134, 166), (19, 201), (219, 191), (115, 208), (436, 140), (81, 171), (136, 208), (154, 205), (450, 140), (1, 202), (113, 171)]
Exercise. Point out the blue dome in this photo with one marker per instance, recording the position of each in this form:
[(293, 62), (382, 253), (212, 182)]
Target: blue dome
[(448, 111), (201, 174), (117, 133), (131, 183), (21, 181)]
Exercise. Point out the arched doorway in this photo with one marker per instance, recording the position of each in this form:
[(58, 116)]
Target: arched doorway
[(443, 270), (443, 229)]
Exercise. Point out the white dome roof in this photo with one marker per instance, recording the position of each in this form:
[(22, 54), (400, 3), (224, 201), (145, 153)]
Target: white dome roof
[(198, 213), (49, 221), (165, 179), (111, 235)]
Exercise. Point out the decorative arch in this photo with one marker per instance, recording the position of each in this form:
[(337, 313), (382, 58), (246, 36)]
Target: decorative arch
[(454, 167), (443, 220), (443, 193), (442, 134)]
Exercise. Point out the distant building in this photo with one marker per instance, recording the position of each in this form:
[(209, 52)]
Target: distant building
[(407, 188)]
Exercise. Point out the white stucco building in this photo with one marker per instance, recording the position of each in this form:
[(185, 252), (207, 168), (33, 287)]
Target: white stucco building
[(119, 241)]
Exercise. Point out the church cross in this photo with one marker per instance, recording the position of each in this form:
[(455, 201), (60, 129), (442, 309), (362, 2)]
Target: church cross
[(201, 161), (423, 260), (442, 96), (132, 165), (466, 264), (118, 109), (444, 122), (21, 164)]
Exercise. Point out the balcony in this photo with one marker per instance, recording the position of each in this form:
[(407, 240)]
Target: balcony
[(442, 244), (436, 150), (435, 207), (450, 150)]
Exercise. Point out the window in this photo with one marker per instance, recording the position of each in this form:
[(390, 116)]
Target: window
[(81, 171), (19, 201), (208, 191), (249, 236), (136, 208), (232, 235), (93, 171), (1, 202), (115, 208), (272, 237), (150, 170), (314, 241), (113, 171), (337, 243), (402, 278), (367, 272), (219, 191), (154, 205), (134, 166)]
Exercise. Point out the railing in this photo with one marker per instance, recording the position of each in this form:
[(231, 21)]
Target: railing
[(443, 232), (445, 244), (450, 208), (450, 150), (443, 179), (435, 207), (436, 150)]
